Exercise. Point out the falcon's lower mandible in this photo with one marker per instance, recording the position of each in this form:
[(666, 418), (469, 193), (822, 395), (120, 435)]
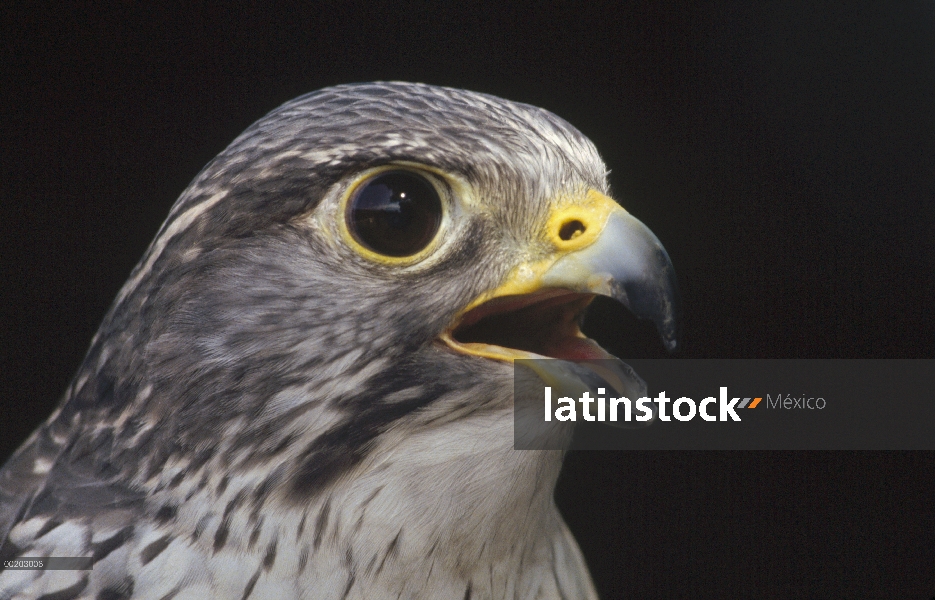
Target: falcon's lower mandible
[(305, 388)]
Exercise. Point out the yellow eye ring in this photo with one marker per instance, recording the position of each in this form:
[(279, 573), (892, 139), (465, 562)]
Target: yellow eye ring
[(393, 214)]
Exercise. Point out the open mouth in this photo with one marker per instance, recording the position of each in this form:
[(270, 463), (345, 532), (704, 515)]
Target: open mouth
[(545, 324)]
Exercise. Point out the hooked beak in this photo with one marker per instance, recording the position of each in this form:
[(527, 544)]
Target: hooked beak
[(599, 248), (627, 263)]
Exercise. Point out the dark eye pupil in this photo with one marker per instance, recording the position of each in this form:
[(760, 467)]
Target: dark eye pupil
[(396, 213)]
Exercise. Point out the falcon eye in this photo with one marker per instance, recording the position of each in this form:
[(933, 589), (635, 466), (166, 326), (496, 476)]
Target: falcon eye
[(396, 213)]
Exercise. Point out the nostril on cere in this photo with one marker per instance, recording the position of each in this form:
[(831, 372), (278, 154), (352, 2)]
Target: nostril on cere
[(571, 229)]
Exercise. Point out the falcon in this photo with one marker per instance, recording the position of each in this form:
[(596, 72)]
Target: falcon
[(305, 388)]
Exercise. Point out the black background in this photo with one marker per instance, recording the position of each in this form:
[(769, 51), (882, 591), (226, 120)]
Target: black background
[(783, 154)]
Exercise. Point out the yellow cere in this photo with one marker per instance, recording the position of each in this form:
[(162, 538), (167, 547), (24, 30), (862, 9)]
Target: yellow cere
[(584, 220), (580, 221)]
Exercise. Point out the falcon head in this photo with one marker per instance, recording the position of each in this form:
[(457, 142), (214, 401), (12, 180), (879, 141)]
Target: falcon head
[(359, 258), (330, 313)]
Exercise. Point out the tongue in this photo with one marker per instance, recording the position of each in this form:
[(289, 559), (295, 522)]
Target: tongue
[(576, 348)]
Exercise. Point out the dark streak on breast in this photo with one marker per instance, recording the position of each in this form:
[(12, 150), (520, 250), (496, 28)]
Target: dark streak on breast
[(121, 591), (152, 550), (321, 523), (391, 550), (69, 593), (49, 526), (303, 558), (220, 536), (101, 549), (350, 584), (301, 527), (255, 535), (270, 557), (166, 513), (200, 527), (250, 585)]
